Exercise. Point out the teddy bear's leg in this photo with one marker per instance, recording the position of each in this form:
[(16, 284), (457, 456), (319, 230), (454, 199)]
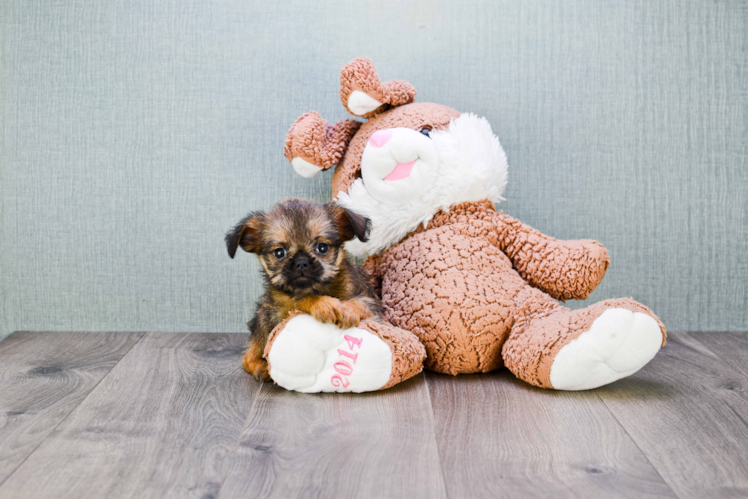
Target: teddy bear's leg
[(305, 355), (554, 347)]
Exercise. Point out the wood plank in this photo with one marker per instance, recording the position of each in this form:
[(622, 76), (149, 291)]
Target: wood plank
[(374, 445), (43, 377), (688, 412), (500, 437), (731, 347), (164, 423)]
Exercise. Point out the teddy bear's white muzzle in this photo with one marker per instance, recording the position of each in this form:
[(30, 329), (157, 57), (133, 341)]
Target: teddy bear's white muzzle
[(396, 162)]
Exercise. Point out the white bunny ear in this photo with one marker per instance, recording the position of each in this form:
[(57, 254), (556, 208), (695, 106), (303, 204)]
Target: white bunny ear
[(313, 145), (304, 168), (360, 104), (363, 94)]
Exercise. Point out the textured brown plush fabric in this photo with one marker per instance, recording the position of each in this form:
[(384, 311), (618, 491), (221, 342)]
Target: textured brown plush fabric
[(562, 269), (407, 351), (316, 141), (477, 287), (456, 285), (360, 74)]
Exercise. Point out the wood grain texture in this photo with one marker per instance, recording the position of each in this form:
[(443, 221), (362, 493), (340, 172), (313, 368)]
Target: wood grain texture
[(164, 423), (500, 437), (43, 377), (731, 347), (174, 415), (687, 410), (376, 445)]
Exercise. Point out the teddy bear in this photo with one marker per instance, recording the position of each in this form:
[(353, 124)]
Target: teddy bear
[(478, 288)]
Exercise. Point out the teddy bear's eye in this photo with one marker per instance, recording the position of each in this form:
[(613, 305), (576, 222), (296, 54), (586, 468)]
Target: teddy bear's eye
[(426, 131)]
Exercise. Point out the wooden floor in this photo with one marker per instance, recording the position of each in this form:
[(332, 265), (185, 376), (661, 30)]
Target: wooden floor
[(174, 415)]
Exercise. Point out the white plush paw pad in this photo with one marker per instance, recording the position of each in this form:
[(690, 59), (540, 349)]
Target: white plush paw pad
[(309, 356), (618, 344)]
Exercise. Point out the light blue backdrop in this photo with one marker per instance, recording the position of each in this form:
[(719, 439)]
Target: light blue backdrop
[(134, 134)]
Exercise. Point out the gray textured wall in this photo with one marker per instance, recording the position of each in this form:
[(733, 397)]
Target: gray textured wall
[(134, 134)]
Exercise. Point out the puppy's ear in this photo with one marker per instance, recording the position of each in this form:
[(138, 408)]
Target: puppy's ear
[(246, 234), (349, 224)]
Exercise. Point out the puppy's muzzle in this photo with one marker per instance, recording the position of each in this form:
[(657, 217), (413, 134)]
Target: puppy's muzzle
[(301, 263)]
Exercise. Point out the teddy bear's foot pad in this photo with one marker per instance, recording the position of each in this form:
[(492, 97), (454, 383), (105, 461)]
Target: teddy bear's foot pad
[(618, 344), (309, 356)]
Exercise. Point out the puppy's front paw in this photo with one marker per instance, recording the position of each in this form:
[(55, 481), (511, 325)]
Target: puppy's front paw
[(258, 368), (326, 310), (351, 313)]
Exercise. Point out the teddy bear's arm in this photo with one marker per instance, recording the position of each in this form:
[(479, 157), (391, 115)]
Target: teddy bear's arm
[(563, 269)]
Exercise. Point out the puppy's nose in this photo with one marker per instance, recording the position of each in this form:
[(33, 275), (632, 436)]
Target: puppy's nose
[(301, 263)]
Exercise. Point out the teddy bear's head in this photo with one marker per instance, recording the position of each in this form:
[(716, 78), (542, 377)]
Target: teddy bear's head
[(407, 162)]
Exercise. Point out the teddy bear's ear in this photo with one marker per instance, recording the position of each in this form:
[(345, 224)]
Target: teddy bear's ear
[(313, 145), (364, 95)]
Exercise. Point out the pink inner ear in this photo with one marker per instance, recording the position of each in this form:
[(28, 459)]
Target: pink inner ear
[(380, 138), (402, 171)]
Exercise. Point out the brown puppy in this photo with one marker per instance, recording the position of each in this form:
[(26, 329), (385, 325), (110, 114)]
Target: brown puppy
[(299, 245)]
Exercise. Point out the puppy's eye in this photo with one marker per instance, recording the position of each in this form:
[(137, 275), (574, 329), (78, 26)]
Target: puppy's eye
[(322, 248), (279, 253), (426, 131)]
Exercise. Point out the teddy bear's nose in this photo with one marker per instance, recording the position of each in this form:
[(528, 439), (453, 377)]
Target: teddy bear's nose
[(380, 138)]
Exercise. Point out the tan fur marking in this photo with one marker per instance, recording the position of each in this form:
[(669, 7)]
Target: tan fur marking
[(253, 362), (352, 312), (340, 258), (317, 225), (264, 264), (278, 230), (345, 314)]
